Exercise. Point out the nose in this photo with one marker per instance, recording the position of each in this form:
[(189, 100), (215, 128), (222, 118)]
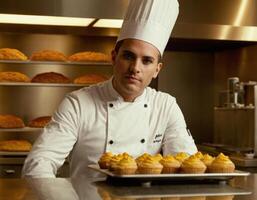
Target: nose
[(134, 67)]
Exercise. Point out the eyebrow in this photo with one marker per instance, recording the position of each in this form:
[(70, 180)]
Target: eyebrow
[(128, 52), (144, 57)]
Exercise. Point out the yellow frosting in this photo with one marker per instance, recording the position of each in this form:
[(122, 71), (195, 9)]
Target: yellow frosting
[(181, 156), (142, 157), (222, 159), (199, 155), (126, 155), (157, 157), (150, 161), (169, 159), (127, 162), (106, 157), (145, 155), (193, 161), (116, 158), (207, 159)]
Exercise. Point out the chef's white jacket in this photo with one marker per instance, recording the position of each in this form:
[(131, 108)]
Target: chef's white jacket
[(95, 119)]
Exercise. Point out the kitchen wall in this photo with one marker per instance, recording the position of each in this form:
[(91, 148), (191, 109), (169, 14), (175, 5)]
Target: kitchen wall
[(68, 44), (239, 62), (196, 77), (189, 77), (235, 127)]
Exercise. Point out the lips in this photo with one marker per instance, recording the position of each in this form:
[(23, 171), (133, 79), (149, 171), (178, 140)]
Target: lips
[(132, 78)]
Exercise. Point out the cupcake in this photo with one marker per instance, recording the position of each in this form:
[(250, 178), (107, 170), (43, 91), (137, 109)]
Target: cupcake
[(170, 164), (221, 164), (150, 165), (113, 162), (181, 156), (207, 160), (193, 165), (126, 165), (105, 160)]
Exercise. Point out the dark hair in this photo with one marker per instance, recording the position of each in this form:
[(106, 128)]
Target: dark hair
[(119, 43)]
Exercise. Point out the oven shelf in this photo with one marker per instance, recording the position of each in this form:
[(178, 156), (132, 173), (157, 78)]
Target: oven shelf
[(55, 63), (43, 84), (25, 129)]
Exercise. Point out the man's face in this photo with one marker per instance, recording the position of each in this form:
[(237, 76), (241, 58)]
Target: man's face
[(135, 65)]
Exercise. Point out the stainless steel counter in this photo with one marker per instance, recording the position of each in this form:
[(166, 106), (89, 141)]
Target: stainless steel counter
[(96, 189)]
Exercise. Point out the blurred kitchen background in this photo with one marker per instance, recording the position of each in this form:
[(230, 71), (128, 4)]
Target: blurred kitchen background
[(212, 41)]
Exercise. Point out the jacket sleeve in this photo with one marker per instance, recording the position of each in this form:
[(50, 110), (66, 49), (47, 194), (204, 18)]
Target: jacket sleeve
[(177, 138), (55, 142)]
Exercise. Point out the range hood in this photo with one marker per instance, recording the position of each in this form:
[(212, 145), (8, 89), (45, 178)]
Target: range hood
[(229, 20)]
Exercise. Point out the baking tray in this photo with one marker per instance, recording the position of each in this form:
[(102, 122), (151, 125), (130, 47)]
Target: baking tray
[(42, 84), (177, 176), (54, 62), (171, 190), (25, 129)]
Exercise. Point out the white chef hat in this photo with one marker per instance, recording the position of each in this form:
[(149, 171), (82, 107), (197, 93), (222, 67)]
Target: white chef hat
[(151, 21)]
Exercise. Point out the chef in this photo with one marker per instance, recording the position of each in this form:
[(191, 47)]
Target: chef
[(122, 114)]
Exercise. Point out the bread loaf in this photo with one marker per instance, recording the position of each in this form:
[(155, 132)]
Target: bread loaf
[(90, 79), (13, 77), (50, 77), (11, 54), (15, 145), (89, 56), (48, 55), (40, 122), (11, 121)]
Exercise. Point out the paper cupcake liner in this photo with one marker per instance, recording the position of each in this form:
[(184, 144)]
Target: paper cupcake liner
[(149, 170), (207, 163), (170, 170), (103, 165), (112, 167), (124, 171), (225, 169), (192, 170)]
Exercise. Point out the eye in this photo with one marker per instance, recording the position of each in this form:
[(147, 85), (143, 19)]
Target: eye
[(128, 56), (147, 61)]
